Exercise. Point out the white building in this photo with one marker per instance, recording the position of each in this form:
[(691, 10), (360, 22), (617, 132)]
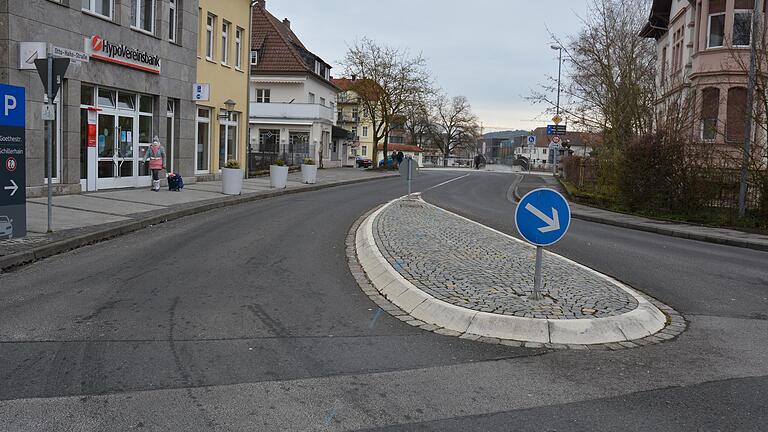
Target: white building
[(292, 99)]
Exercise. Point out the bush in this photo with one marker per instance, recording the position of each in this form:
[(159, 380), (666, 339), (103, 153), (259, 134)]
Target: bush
[(309, 161), (280, 162), (232, 164)]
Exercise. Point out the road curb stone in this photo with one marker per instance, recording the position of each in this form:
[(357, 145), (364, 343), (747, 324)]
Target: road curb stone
[(365, 284)]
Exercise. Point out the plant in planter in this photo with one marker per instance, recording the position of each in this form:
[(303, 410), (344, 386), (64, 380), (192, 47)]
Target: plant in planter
[(232, 178), (278, 175), (309, 171)]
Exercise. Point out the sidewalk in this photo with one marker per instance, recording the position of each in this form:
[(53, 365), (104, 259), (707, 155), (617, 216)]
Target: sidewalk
[(87, 218), (724, 236)]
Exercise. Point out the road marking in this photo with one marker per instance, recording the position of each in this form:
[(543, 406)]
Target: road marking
[(446, 182)]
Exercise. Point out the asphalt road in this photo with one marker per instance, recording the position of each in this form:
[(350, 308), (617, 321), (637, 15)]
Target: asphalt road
[(247, 318)]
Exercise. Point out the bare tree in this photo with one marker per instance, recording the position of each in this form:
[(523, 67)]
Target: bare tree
[(390, 79), (455, 125), (610, 73), (418, 121)]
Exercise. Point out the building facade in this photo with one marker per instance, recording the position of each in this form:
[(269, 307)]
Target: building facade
[(703, 48), (136, 85), (222, 85), (292, 98), (352, 117)]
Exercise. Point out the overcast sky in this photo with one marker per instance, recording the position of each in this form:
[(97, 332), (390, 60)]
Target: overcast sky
[(492, 51)]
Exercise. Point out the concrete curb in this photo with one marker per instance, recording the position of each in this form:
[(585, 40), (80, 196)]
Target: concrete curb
[(117, 229), (643, 322), (708, 238)]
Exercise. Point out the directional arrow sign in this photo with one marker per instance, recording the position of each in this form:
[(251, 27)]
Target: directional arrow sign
[(13, 188), (543, 217)]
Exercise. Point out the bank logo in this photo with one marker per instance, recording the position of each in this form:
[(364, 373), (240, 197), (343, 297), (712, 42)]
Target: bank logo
[(97, 43)]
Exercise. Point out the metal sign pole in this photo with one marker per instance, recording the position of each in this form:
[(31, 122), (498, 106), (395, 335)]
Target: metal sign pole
[(410, 175), (49, 167), (537, 275)]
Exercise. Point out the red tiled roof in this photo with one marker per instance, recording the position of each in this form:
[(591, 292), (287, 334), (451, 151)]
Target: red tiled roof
[(402, 148), (280, 50), (360, 86)]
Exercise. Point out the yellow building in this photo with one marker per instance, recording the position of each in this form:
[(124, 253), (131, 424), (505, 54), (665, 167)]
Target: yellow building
[(352, 117), (221, 92)]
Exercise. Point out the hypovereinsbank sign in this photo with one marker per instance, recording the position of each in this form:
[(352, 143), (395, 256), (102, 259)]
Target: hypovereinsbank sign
[(122, 54)]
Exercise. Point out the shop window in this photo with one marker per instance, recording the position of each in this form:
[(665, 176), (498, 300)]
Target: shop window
[(143, 12), (86, 95), (126, 101), (172, 21), (225, 42), (203, 142), (106, 98), (99, 7), (146, 104), (710, 109), (736, 114), (145, 129)]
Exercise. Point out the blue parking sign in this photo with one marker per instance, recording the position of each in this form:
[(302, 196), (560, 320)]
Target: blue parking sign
[(543, 217)]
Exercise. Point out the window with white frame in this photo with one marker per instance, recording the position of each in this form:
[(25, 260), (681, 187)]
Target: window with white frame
[(99, 7), (143, 12), (238, 47), (311, 98), (254, 57), (262, 95), (365, 150), (209, 26), (365, 131), (225, 42), (203, 144), (742, 27), (322, 101), (716, 24), (172, 21)]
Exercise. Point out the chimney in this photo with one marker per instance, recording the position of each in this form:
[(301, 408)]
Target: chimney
[(287, 22), (354, 77)]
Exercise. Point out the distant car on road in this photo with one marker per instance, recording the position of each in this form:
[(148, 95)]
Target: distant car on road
[(6, 228), (364, 162)]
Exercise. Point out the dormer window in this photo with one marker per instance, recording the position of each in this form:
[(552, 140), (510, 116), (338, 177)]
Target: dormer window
[(254, 57)]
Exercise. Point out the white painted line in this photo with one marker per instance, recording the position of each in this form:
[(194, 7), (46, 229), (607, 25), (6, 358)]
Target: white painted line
[(446, 182)]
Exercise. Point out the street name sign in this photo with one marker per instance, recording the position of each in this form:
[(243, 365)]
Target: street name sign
[(74, 55), (13, 187), (543, 217)]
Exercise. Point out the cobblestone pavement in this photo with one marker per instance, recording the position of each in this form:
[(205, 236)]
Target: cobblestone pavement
[(469, 266)]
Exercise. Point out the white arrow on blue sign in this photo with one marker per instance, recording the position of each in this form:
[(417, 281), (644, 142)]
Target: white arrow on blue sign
[(543, 217)]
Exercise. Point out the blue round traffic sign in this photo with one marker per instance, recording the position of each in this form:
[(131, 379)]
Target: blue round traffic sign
[(543, 217)]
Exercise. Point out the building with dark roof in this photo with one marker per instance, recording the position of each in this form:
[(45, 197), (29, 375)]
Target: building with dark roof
[(292, 97)]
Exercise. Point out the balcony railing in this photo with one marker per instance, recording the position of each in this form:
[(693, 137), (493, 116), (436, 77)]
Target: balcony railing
[(292, 111)]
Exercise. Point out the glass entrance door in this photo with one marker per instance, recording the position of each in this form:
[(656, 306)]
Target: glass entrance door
[(117, 158)]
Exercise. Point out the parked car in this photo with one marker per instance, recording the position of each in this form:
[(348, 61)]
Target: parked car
[(390, 163), (6, 228), (364, 162)]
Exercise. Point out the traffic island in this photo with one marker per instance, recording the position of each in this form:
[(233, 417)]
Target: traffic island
[(447, 274)]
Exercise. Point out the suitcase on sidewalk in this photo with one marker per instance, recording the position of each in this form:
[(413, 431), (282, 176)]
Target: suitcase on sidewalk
[(175, 182)]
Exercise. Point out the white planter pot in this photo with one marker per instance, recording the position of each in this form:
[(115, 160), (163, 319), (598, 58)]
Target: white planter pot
[(278, 176), (309, 174), (232, 181)]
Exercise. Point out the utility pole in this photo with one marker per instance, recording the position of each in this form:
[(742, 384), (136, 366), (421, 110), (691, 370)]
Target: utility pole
[(49, 168), (757, 19)]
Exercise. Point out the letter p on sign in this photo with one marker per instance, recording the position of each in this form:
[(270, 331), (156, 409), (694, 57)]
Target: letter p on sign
[(10, 104)]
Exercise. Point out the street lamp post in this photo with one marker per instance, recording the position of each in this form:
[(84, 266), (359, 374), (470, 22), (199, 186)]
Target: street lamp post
[(559, 74)]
